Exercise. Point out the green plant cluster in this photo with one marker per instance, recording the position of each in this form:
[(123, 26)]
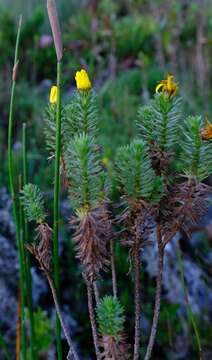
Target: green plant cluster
[(135, 171), (33, 203), (84, 172), (163, 134), (196, 156), (110, 317), (164, 127)]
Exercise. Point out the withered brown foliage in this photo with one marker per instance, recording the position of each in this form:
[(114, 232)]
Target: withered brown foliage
[(182, 208), (160, 159), (42, 251), (137, 220), (92, 234)]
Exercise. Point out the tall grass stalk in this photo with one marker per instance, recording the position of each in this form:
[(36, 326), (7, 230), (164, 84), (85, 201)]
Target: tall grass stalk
[(27, 255), (15, 204), (56, 32), (22, 275), (188, 305), (56, 205)]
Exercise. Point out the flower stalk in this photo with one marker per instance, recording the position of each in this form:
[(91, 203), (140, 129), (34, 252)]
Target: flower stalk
[(56, 205), (15, 204), (27, 258), (56, 32), (21, 256)]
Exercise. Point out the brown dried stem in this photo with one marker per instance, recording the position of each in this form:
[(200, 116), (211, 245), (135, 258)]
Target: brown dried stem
[(92, 318), (137, 299), (115, 349), (157, 295), (72, 351), (96, 292), (113, 269)]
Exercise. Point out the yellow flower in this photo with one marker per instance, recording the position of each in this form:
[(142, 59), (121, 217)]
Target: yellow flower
[(206, 132), (168, 86), (105, 161), (53, 95), (82, 80)]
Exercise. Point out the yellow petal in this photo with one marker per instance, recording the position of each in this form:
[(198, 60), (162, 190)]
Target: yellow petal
[(158, 87), (82, 80), (53, 95), (105, 161)]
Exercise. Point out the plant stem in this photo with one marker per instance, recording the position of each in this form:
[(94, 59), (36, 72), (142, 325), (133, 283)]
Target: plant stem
[(137, 300), (96, 292), (15, 206), (113, 269), (92, 318), (188, 305), (157, 304), (10, 126), (56, 206), (18, 330), (22, 276), (60, 317), (27, 255)]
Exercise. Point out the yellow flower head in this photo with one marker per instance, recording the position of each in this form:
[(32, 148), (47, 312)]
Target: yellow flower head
[(206, 133), (53, 95), (105, 161), (82, 80), (168, 86)]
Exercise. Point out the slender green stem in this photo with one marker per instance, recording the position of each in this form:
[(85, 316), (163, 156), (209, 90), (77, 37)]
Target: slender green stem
[(15, 205), (188, 305), (27, 254), (10, 129), (22, 275), (56, 206)]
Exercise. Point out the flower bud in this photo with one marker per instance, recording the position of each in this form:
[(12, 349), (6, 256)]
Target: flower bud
[(54, 22)]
